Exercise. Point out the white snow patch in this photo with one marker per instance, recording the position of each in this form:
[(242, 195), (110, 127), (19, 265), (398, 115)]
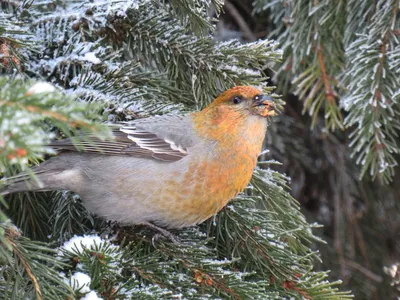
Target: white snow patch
[(81, 281), (264, 152), (77, 243), (91, 296), (91, 57), (40, 87)]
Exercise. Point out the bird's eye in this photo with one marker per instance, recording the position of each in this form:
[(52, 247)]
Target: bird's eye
[(237, 100), (257, 97)]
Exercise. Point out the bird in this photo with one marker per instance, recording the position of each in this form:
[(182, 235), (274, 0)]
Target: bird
[(172, 171)]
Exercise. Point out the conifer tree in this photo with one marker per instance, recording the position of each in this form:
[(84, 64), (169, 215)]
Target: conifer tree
[(338, 138), (72, 66)]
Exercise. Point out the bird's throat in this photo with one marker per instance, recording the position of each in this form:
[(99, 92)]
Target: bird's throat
[(231, 129)]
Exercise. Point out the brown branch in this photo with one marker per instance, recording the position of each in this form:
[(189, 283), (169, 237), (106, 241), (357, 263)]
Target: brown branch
[(29, 273), (381, 61), (4, 50), (361, 242), (148, 277), (368, 273), (287, 284), (201, 275), (244, 28), (5, 46), (337, 241), (11, 234), (47, 113), (290, 285), (383, 49), (330, 96)]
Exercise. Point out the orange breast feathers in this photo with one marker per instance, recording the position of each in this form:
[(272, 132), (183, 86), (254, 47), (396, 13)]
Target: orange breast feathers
[(238, 139)]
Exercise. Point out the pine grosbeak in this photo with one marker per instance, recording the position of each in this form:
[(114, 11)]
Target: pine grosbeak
[(172, 170)]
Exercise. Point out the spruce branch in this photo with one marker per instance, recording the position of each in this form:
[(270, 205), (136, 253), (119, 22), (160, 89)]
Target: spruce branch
[(195, 65), (371, 99), (33, 261), (14, 39), (317, 38), (194, 14), (23, 111), (308, 52)]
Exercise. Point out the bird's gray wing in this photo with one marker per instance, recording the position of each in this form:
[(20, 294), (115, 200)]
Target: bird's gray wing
[(165, 138)]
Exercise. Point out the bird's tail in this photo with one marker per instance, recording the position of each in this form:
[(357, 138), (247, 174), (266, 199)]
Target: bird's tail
[(23, 182), (49, 175)]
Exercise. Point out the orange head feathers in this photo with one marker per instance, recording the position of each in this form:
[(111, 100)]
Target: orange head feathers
[(246, 99), (234, 112), (242, 91)]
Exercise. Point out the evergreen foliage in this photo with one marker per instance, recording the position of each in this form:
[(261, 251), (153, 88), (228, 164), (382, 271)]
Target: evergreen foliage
[(120, 60), (356, 43), (345, 55)]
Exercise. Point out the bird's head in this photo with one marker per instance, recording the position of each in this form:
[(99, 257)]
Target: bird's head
[(246, 100), (239, 111)]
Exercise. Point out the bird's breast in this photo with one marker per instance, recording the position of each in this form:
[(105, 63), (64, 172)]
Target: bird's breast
[(211, 175), (208, 185)]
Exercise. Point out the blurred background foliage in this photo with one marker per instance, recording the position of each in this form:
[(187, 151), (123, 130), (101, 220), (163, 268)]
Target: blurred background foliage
[(337, 139)]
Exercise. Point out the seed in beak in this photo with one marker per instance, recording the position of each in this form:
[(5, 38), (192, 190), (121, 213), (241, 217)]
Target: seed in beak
[(263, 100)]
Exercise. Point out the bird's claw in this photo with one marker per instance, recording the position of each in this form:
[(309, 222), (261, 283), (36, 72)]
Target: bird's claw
[(161, 233)]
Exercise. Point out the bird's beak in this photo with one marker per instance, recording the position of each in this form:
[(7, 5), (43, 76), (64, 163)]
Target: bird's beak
[(264, 105)]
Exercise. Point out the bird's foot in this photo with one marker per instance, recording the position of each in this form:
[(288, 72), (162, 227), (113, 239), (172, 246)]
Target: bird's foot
[(161, 233)]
